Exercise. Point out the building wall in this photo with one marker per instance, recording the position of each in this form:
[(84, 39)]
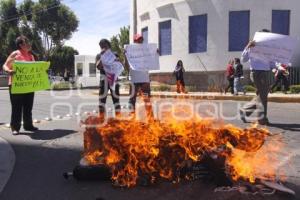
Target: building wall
[(88, 78), (150, 12)]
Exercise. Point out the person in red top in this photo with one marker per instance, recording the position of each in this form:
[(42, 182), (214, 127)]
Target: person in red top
[(230, 76), (281, 74), (21, 104)]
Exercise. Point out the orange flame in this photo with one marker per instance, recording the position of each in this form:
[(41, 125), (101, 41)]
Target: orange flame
[(259, 164), (132, 148)]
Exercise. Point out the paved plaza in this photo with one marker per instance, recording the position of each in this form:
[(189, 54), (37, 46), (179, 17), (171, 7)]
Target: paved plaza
[(32, 165)]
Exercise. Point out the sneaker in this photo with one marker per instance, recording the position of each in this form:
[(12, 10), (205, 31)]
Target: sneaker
[(243, 116), (15, 132), (32, 128)]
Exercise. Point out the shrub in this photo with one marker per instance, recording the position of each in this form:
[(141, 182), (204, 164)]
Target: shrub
[(161, 88), (191, 89), (295, 89), (249, 88), (61, 86)]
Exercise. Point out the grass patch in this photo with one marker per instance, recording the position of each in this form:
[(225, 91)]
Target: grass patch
[(249, 88), (62, 86), (161, 88), (295, 89)]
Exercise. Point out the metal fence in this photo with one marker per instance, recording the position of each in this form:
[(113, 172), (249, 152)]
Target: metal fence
[(294, 76)]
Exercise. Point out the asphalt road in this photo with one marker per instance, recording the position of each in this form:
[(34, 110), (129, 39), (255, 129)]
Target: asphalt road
[(42, 157)]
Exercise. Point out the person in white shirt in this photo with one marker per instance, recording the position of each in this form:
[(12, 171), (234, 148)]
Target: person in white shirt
[(260, 77), (140, 84)]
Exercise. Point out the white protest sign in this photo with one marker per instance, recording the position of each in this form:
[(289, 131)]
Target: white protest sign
[(272, 48), (142, 57), (108, 58), (112, 67)]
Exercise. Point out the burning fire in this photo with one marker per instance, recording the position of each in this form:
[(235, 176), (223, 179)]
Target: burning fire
[(157, 149)]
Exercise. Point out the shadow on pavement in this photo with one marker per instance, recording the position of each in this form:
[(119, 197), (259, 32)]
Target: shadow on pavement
[(48, 134), (290, 127), (38, 175)]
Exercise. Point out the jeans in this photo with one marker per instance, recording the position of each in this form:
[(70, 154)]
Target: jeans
[(238, 87)]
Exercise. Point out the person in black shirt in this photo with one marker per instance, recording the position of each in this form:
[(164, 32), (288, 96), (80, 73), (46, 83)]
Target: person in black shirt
[(238, 75), (104, 86), (178, 72)]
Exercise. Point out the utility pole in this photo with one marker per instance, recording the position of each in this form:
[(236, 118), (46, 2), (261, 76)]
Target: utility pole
[(133, 26)]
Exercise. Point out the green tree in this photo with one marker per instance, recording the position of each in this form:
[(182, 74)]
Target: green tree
[(47, 24), (55, 22), (26, 28), (117, 44), (118, 41), (62, 58), (8, 28), (124, 36)]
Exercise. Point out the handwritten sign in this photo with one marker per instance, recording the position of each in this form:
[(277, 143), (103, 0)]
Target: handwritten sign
[(112, 67), (272, 48), (108, 58), (30, 77), (142, 57)]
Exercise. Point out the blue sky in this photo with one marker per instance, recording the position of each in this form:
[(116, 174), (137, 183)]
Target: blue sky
[(98, 19)]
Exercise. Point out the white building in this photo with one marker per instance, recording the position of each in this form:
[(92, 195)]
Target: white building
[(205, 34), (85, 71)]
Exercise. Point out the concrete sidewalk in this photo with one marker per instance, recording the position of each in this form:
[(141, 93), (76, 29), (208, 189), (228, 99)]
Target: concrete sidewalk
[(7, 162), (275, 97)]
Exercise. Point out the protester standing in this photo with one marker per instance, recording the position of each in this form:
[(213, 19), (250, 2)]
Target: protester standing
[(230, 76), (178, 72), (140, 84), (21, 104), (259, 75), (281, 73), (106, 82), (238, 75)]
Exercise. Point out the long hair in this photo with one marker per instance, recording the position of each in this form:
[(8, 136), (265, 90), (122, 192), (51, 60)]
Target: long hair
[(104, 43), (21, 40), (179, 65)]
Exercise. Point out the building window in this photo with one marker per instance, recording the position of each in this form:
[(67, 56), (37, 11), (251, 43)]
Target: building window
[(92, 69), (198, 33), (165, 38), (79, 69), (239, 28), (281, 21), (145, 35)]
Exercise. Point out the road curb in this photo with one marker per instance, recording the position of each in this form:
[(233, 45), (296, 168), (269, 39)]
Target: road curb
[(7, 162), (228, 98), (214, 97)]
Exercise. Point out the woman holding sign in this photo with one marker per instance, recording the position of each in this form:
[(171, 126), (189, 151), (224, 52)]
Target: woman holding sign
[(21, 104), (110, 68)]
